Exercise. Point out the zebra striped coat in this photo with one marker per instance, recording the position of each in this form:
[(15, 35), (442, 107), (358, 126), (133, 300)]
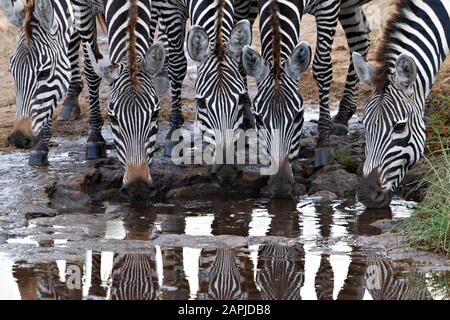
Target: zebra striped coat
[(220, 86), (133, 104), (414, 47)]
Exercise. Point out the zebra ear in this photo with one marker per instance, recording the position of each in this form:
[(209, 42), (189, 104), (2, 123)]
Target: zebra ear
[(154, 59), (364, 70), (43, 12), (406, 73), (300, 59), (254, 64), (198, 44), (14, 11), (241, 36), (102, 67)]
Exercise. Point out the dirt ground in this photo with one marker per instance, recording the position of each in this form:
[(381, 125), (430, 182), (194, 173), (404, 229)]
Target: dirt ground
[(377, 12)]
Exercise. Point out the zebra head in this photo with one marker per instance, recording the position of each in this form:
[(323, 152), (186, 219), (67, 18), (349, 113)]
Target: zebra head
[(39, 65), (133, 108), (394, 129), (278, 110), (219, 88)]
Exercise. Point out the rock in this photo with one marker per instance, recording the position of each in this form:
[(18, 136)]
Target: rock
[(324, 196), (330, 168), (299, 189), (323, 157), (356, 151), (197, 190), (64, 198), (339, 182), (384, 224), (307, 146), (40, 212), (302, 169)]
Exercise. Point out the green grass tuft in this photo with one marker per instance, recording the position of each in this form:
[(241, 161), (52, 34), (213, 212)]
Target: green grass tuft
[(349, 164), (429, 227)]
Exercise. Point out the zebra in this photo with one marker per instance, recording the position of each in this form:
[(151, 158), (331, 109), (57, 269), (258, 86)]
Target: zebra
[(278, 105), (41, 69), (281, 127), (134, 277), (328, 13), (223, 278), (280, 272), (133, 104), (49, 45), (214, 42), (382, 284), (414, 47)]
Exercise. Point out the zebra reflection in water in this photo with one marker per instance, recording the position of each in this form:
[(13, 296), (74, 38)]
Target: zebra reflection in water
[(383, 284)]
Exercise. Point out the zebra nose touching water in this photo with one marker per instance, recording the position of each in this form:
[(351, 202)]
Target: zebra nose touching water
[(40, 68), (279, 104), (220, 85), (45, 59), (133, 104), (415, 45)]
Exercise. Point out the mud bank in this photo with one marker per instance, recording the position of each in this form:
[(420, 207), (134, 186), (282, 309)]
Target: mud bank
[(100, 180)]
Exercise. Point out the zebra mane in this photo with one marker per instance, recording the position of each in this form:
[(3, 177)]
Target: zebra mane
[(219, 49), (383, 60), (29, 9), (132, 54), (276, 42)]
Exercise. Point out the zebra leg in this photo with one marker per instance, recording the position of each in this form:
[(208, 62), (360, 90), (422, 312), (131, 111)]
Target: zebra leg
[(326, 20), (39, 153), (246, 103), (161, 80), (71, 107), (85, 21), (245, 9), (96, 144), (357, 30), (174, 26)]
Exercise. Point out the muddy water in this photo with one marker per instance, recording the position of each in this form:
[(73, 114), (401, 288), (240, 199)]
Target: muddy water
[(252, 249), (196, 249)]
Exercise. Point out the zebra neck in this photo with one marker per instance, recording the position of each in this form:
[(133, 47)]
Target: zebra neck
[(201, 13), (279, 28), (421, 29)]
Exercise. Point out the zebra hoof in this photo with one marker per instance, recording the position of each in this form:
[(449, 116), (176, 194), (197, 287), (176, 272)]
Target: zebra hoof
[(340, 129), (70, 110), (95, 150), (38, 158), (323, 157), (168, 148)]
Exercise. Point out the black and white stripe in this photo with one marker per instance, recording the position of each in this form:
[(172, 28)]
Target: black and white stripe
[(222, 278), (134, 277), (382, 284), (417, 43), (280, 273), (40, 66), (220, 85), (133, 103), (81, 14)]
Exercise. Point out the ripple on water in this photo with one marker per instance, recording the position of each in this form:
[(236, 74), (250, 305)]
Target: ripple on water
[(305, 248)]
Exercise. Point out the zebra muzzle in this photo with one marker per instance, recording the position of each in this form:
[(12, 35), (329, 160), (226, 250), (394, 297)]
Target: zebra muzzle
[(371, 193), (139, 185), (281, 184), (21, 136), (139, 190)]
